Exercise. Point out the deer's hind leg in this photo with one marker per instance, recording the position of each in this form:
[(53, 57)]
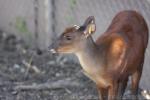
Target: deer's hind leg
[(135, 79), (122, 87)]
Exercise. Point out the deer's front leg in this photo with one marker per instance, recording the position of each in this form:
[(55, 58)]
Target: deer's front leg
[(113, 91), (103, 93)]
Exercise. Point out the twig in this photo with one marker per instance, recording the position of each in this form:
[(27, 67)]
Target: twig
[(68, 91), (49, 85), (29, 66)]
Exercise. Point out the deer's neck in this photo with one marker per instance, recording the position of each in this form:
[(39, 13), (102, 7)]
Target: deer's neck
[(89, 56)]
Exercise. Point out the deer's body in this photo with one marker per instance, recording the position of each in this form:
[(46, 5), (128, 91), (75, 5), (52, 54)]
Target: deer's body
[(116, 55)]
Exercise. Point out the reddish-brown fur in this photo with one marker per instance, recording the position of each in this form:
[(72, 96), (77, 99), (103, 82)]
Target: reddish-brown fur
[(116, 55), (131, 28)]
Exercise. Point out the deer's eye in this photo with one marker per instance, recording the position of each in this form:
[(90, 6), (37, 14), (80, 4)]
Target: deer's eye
[(68, 37)]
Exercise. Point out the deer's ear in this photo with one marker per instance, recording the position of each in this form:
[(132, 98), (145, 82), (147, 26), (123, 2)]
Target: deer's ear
[(90, 26)]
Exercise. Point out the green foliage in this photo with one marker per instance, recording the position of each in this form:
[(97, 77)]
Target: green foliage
[(72, 4), (21, 25)]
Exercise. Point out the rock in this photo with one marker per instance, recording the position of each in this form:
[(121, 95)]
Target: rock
[(16, 66)]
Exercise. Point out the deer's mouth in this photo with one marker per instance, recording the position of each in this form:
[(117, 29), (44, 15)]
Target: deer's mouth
[(57, 51), (53, 51), (60, 49)]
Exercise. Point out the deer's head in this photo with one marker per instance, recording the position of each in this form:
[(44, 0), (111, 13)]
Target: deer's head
[(72, 39)]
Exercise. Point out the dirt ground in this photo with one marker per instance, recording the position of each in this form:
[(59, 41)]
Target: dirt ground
[(26, 74)]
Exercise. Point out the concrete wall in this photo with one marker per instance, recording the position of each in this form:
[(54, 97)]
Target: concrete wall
[(14, 13)]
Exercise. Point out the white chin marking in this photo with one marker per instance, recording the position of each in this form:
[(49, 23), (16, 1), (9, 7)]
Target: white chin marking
[(53, 51)]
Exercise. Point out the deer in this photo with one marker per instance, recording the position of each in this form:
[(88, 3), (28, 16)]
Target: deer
[(116, 55)]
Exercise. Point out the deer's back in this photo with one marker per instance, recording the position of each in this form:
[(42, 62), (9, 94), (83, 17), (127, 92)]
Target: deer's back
[(124, 42)]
